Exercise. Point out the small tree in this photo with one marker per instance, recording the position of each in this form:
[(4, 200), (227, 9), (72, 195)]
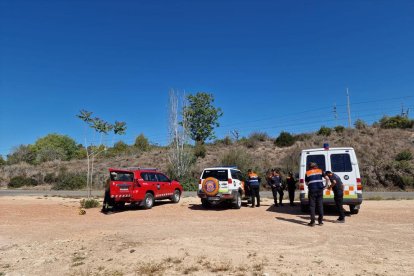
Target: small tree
[(102, 128), (142, 143), (396, 122), (201, 117), (324, 131), (55, 146), (360, 124), (285, 139)]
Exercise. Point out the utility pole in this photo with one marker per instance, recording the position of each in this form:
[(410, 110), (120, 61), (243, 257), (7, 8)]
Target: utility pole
[(349, 109), (335, 112)]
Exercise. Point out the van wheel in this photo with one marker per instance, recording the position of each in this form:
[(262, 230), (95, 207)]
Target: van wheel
[(205, 203), (237, 203), (353, 210), (304, 208), (148, 201), (176, 197)]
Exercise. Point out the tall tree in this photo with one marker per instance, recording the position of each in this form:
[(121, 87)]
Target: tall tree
[(201, 116)]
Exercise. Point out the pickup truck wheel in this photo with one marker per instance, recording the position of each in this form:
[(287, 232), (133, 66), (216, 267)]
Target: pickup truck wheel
[(237, 202), (205, 203), (176, 196), (353, 210), (148, 201)]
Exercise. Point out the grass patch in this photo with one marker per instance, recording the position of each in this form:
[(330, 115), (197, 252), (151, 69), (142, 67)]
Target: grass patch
[(89, 203), (221, 267), (375, 198), (150, 269), (190, 269)]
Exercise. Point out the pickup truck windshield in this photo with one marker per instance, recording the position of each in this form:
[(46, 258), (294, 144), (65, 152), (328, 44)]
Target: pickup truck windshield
[(122, 176)]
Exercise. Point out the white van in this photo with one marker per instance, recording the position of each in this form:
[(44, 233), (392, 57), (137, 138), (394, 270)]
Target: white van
[(341, 161)]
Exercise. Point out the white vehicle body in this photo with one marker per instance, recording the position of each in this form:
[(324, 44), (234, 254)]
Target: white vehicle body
[(341, 161), (230, 186)]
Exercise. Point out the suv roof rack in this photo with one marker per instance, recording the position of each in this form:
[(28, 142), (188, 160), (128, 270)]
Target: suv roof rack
[(136, 169)]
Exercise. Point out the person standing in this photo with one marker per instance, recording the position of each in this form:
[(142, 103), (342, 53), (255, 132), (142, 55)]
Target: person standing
[(253, 181), (338, 188), (277, 187), (314, 181), (291, 185)]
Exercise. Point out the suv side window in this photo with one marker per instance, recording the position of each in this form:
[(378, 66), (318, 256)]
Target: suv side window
[(162, 178), (145, 176), (235, 175), (341, 162), (152, 177)]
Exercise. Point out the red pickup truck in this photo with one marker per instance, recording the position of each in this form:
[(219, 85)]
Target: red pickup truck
[(139, 186)]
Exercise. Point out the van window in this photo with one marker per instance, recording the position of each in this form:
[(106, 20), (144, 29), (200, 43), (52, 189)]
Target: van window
[(235, 174), (341, 162), (318, 159), (220, 175)]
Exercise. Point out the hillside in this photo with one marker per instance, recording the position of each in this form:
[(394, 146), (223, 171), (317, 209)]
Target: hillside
[(376, 148)]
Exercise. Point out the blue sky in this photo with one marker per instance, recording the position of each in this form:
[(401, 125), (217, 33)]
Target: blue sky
[(271, 65)]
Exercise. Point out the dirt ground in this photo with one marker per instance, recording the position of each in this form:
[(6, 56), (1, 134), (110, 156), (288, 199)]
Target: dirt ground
[(47, 236)]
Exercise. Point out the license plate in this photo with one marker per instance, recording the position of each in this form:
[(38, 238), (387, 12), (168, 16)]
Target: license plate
[(213, 198)]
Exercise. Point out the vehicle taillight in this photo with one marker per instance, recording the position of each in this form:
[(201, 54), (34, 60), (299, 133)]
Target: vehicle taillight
[(302, 181), (301, 187), (230, 181), (359, 184)]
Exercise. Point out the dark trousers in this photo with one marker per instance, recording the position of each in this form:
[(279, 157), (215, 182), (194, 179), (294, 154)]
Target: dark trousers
[(291, 195), (254, 191), (277, 190), (316, 202), (339, 200)]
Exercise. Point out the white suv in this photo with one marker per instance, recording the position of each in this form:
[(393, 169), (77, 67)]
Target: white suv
[(220, 184)]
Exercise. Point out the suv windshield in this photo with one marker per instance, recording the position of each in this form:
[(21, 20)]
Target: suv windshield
[(220, 175), (122, 176)]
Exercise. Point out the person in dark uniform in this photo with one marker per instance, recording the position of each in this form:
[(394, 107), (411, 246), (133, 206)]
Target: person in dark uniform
[(314, 181), (291, 185), (253, 181), (338, 188), (277, 187)]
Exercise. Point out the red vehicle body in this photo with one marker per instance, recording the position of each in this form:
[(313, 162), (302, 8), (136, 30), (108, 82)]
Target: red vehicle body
[(141, 187)]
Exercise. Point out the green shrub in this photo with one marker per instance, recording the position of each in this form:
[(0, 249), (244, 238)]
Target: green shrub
[(225, 141), (259, 136), (55, 146), (50, 178), (360, 124), (405, 155), (239, 158), (22, 153), (324, 131), (303, 137), (285, 139), (396, 122), (189, 184), (20, 181), (119, 147), (200, 150), (70, 181), (142, 143), (89, 203), (339, 129)]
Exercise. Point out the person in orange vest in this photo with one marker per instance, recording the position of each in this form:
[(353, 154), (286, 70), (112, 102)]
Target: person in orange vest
[(314, 181), (253, 180)]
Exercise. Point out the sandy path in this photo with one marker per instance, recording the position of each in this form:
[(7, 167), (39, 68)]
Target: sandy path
[(47, 236)]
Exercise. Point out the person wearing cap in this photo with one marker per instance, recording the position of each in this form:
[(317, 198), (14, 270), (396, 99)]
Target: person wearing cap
[(253, 180), (338, 188), (291, 185), (314, 181)]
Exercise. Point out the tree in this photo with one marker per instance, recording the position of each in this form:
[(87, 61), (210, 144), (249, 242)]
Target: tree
[(22, 153), (396, 122), (180, 157), (103, 128), (360, 124), (285, 139), (2, 161), (201, 117), (55, 146), (142, 143)]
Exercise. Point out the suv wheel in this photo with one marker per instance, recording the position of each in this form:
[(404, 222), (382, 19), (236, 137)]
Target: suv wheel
[(237, 203), (176, 196), (205, 203), (148, 201)]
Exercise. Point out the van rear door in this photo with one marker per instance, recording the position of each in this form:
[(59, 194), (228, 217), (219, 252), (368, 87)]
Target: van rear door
[(344, 164)]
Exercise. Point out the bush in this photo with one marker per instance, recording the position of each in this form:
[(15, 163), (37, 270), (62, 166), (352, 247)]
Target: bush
[(324, 131), (239, 158), (249, 143), (70, 181), (405, 155), (226, 141), (189, 184), (89, 203), (142, 143), (285, 139), (259, 136), (20, 181), (339, 129), (360, 124), (200, 150), (55, 146), (22, 153), (302, 137), (119, 147), (396, 122), (50, 178)]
